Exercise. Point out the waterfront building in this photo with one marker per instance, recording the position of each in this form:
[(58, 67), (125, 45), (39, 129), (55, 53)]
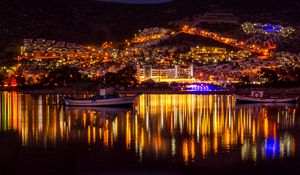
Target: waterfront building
[(165, 73)]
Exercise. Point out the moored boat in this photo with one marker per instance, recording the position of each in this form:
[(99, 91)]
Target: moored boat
[(102, 100), (258, 97)]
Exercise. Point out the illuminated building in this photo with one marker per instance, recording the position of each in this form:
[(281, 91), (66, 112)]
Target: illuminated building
[(165, 73), (253, 28), (51, 49), (206, 54)]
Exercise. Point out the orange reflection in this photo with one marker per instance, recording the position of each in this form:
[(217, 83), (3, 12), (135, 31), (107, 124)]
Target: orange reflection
[(189, 125)]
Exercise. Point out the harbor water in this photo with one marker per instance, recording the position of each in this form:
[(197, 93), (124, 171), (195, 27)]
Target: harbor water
[(161, 134)]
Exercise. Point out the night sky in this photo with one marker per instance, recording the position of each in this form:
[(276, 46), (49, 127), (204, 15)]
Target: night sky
[(138, 1)]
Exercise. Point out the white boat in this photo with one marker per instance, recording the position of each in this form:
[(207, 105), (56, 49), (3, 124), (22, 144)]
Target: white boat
[(102, 100), (258, 97)]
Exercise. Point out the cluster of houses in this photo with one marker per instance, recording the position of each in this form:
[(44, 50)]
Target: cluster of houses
[(151, 36), (205, 55), (259, 28), (156, 62), (42, 48)]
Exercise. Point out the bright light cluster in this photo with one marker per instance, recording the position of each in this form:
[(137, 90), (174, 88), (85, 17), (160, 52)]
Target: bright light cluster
[(45, 49), (213, 54), (198, 87), (253, 28), (229, 41), (152, 35)]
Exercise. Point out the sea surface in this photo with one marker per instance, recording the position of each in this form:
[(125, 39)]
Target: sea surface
[(161, 134), (138, 1)]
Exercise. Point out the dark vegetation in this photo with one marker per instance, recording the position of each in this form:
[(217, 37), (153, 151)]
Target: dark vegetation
[(123, 78), (283, 77), (70, 77)]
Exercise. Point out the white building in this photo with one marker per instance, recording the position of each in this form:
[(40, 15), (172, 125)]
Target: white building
[(165, 73)]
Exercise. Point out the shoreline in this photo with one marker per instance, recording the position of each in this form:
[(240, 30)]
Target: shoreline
[(225, 92), (288, 91)]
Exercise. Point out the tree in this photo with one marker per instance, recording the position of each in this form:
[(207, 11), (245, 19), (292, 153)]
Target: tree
[(123, 77), (269, 76), (283, 73), (2, 78), (148, 83), (62, 76), (126, 76), (296, 74), (174, 84), (21, 81), (245, 80), (163, 85), (110, 79)]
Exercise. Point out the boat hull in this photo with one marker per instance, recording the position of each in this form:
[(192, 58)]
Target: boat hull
[(244, 99), (113, 102)]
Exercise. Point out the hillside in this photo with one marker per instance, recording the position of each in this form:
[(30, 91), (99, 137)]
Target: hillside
[(91, 21)]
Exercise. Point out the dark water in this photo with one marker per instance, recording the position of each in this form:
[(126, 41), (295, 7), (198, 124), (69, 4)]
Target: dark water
[(162, 134), (138, 1)]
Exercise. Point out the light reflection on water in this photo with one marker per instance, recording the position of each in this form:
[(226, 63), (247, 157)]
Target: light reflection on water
[(188, 128)]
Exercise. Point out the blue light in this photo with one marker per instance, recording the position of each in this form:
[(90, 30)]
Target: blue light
[(270, 29), (200, 87), (272, 148), (197, 87)]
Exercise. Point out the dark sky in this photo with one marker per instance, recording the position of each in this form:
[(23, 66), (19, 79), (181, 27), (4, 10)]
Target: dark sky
[(138, 1)]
